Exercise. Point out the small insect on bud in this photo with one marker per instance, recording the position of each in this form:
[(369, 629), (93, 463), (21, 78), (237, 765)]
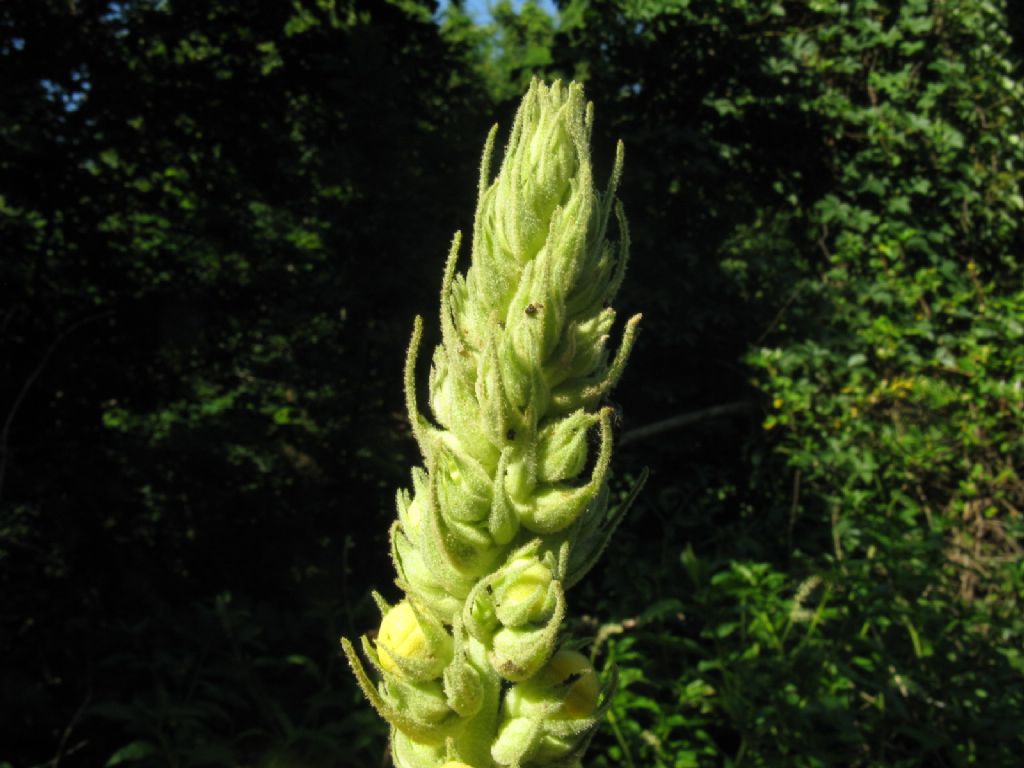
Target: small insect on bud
[(617, 420)]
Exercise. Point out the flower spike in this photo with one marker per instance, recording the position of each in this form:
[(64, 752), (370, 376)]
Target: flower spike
[(511, 507)]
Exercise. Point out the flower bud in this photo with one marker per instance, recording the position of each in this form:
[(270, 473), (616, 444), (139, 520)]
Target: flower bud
[(413, 507), (518, 652), (549, 717), (408, 753), (518, 739), (520, 478), (420, 579), (523, 594), (463, 683), (547, 151), (410, 645), (457, 408), (554, 507), (440, 385), (502, 522), (490, 393), (567, 678), (424, 702), (562, 447), (463, 488), (516, 612), (589, 336)]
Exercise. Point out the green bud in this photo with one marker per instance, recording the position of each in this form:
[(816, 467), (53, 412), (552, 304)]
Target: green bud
[(552, 507), (562, 447), (422, 701), (464, 486), (412, 509), (517, 611), (408, 753), (416, 577), (490, 393), (463, 682), (503, 520), (518, 652), (583, 347), (525, 592), (519, 739), (457, 407)]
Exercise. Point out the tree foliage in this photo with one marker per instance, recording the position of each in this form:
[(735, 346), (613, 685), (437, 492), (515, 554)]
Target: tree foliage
[(853, 176), (208, 210)]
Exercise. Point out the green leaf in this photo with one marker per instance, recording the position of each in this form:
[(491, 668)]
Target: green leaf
[(137, 750)]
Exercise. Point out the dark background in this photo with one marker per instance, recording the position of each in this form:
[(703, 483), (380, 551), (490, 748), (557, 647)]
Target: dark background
[(218, 220)]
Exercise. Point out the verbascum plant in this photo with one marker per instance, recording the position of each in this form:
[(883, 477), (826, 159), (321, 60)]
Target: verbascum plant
[(512, 507)]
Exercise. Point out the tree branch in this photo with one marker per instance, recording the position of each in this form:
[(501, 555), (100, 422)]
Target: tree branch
[(27, 385), (685, 420)]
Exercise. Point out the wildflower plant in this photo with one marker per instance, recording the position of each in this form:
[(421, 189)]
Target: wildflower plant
[(512, 507)]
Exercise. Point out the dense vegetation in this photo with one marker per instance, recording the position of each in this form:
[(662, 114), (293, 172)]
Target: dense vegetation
[(217, 221)]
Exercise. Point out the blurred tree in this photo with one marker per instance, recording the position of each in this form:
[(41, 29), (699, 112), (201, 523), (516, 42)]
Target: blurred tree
[(835, 189), (217, 223), (513, 45)]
